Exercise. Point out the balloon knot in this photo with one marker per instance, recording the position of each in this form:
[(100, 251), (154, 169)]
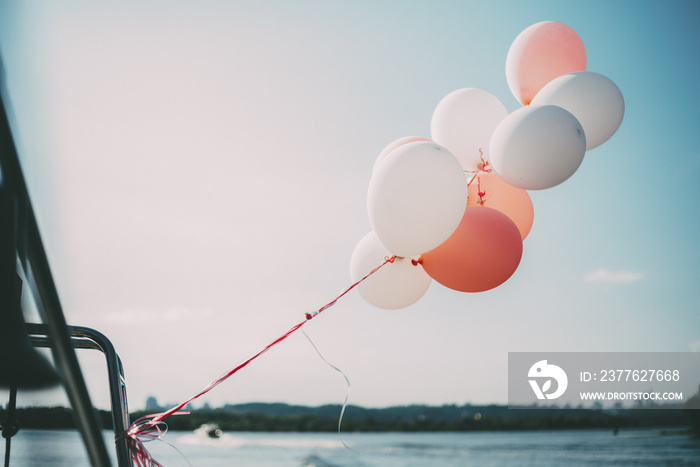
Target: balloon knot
[(416, 262), (484, 166), (390, 259)]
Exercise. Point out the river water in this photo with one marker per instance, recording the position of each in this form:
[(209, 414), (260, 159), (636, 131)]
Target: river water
[(650, 447)]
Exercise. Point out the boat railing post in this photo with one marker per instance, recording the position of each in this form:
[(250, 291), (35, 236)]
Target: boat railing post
[(87, 338)]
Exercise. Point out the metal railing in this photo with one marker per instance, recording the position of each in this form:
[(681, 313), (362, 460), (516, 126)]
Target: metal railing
[(87, 338)]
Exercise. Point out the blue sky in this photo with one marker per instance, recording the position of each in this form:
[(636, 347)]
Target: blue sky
[(200, 173)]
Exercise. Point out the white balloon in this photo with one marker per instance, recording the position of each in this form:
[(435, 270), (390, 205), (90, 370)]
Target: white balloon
[(463, 123), (594, 100), (416, 198), (395, 144), (396, 285), (538, 147)]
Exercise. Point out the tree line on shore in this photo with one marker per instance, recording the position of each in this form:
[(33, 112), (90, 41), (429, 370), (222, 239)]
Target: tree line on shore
[(415, 418)]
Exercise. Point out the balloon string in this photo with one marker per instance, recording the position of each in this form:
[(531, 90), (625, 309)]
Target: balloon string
[(483, 167), (347, 391), (145, 428), (387, 259)]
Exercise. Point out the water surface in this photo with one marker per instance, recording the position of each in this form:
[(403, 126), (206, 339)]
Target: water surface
[(651, 447)]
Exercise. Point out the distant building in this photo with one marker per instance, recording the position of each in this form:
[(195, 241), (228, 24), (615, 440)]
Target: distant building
[(152, 404)]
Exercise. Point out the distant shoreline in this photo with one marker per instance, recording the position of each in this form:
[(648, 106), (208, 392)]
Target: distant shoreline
[(277, 417)]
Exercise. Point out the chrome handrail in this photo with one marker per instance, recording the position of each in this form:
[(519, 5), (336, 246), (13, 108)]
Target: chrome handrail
[(87, 338)]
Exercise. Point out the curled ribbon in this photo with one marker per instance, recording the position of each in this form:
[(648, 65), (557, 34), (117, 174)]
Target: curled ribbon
[(142, 431)]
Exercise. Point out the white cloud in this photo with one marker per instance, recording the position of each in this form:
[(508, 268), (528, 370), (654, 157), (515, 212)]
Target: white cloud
[(614, 277), (695, 346)]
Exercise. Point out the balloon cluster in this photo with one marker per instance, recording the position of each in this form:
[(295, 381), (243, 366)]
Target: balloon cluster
[(455, 208)]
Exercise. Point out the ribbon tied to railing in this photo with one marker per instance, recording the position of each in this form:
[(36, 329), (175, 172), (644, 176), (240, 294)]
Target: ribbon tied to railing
[(152, 427)]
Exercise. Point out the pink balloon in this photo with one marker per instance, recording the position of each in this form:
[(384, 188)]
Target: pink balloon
[(539, 54), (489, 190), (481, 254)]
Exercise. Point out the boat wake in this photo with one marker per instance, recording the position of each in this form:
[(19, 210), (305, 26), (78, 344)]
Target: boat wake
[(233, 441)]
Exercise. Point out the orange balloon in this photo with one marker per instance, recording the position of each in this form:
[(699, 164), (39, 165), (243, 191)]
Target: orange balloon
[(481, 254), (489, 190), (539, 54)]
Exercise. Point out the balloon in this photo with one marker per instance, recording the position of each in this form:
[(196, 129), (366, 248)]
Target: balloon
[(497, 194), (416, 198), (396, 285), (593, 99), (483, 253), (537, 147), (463, 123), (539, 54), (395, 144)]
